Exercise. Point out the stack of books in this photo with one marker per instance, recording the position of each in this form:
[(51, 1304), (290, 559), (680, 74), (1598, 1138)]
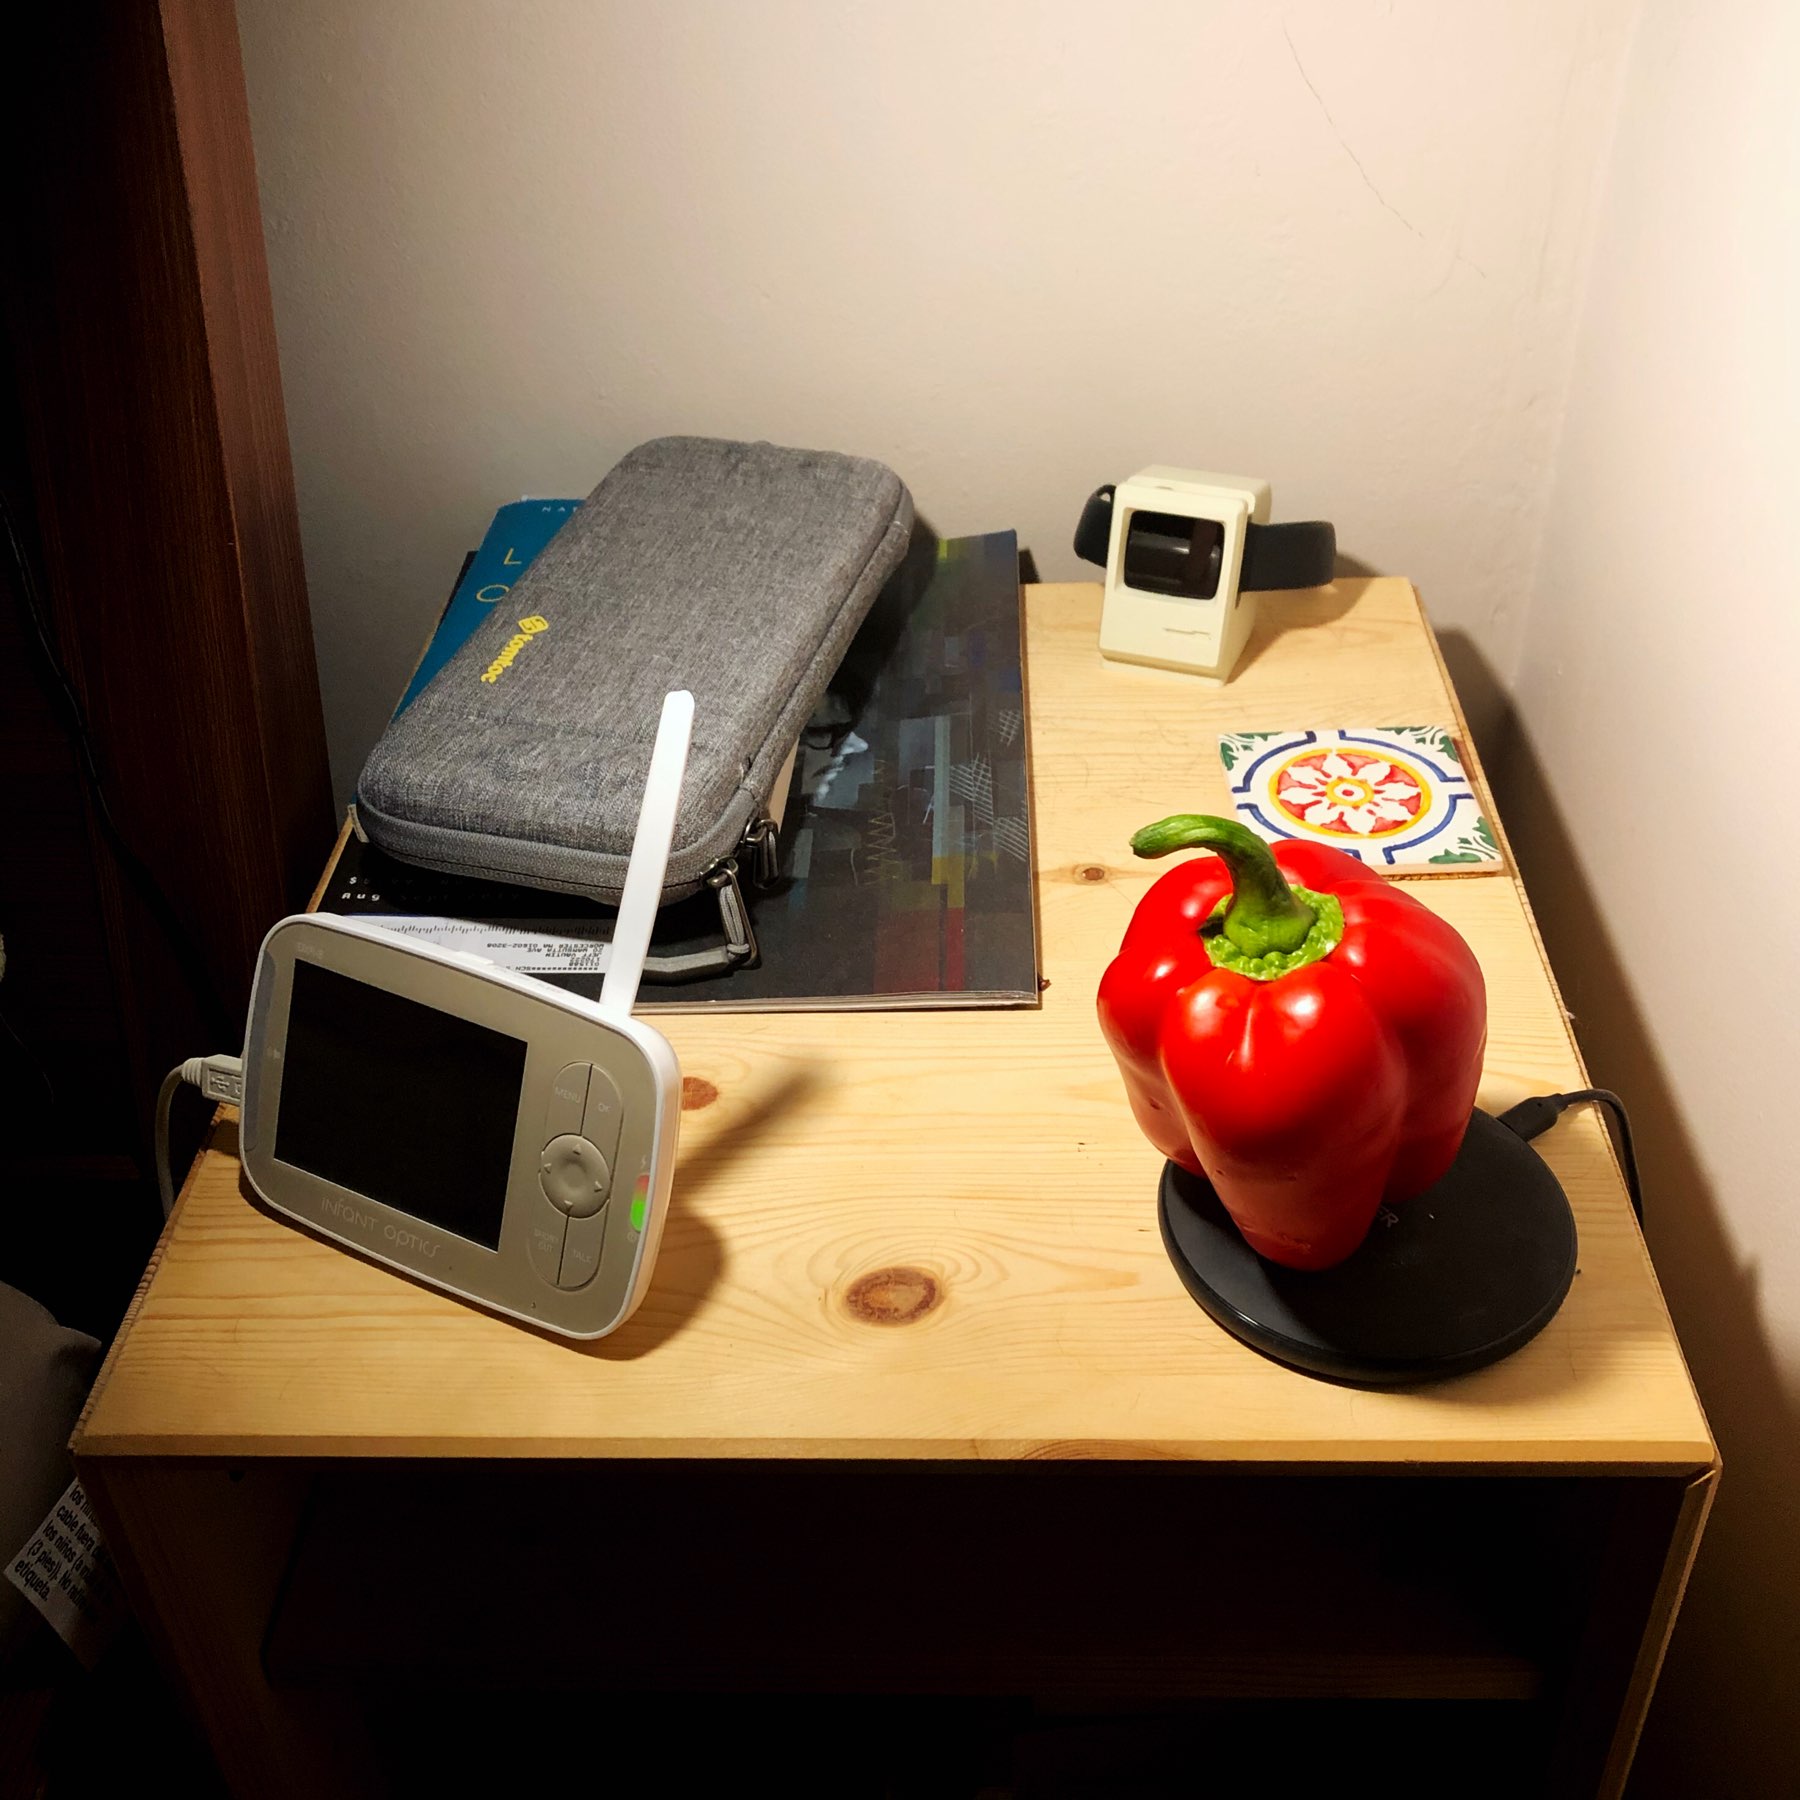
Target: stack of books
[(905, 874)]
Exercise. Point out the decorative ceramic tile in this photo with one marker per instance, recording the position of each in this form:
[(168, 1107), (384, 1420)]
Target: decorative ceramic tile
[(1397, 796)]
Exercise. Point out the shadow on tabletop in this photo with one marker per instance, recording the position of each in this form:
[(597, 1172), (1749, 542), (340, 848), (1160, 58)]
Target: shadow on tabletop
[(1275, 619), (692, 1253), (1720, 1722), (1485, 703)]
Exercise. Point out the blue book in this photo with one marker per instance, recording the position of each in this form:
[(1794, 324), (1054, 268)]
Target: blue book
[(518, 533)]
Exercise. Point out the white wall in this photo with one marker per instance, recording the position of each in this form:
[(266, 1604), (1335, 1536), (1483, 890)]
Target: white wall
[(1652, 806), (1013, 247)]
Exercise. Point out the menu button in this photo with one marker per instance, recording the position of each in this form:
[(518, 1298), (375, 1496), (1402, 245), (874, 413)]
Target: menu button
[(568, 1100)]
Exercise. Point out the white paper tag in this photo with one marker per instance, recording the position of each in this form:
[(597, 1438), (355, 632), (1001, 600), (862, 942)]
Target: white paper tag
[(66, 1572), (558, 947)]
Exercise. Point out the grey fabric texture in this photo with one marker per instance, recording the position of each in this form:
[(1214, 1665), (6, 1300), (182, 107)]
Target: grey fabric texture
[(738, 571), (45, 1373)]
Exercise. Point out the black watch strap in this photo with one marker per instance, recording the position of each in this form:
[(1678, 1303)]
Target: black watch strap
[(1094, 532), (1299, 555), (1288, 556)]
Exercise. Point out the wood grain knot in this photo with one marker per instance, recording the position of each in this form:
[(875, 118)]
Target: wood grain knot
[(1090, 872), (892, 1296), (696, 1092)]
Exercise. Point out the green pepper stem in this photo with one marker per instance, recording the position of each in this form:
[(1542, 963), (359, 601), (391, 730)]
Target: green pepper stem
[(1265, 913)]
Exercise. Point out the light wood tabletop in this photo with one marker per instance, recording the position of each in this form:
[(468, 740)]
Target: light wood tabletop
[(934, 1235)]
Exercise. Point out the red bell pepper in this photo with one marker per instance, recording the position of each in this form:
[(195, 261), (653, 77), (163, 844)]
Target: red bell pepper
[(1295, 1029)]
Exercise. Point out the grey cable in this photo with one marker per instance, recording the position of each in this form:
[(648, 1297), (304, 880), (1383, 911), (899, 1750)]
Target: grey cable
[(219, 1078), (165, 1100)]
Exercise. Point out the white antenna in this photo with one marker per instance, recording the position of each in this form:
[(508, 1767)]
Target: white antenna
[(649, 854)]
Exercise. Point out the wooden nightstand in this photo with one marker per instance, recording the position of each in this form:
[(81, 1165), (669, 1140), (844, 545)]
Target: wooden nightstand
[(903, 1245)]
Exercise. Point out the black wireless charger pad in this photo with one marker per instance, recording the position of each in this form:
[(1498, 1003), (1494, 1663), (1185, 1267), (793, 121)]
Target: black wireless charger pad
[(1455, 1279)]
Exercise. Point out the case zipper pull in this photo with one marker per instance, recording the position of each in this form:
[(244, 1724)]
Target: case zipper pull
[(761, 849)]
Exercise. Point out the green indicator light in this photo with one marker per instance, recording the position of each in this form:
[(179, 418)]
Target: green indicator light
[(637, 1212)]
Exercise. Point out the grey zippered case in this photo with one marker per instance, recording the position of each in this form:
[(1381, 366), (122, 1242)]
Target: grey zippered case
[(738, 571)]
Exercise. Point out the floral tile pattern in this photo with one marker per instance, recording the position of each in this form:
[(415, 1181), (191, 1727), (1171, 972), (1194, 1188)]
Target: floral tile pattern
[(1397, 796)]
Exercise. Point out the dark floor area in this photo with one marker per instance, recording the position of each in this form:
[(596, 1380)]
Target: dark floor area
[(120, 1732), (66, 1735), (935, 1749)]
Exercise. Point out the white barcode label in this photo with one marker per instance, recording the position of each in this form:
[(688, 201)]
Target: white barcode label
[(66, 1572), (557, 947)]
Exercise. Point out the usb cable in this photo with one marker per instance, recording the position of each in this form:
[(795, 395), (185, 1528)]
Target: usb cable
[(218, 1078), (1531, 1118)]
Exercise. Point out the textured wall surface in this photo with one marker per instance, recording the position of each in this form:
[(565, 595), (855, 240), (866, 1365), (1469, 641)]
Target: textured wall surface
[(1652, 810), (1013, 247)]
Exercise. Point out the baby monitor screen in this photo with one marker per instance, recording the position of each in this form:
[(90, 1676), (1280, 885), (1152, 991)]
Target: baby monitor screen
[(398, 1101)]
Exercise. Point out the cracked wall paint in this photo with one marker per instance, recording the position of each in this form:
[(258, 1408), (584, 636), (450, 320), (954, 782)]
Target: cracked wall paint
[(1013, 248)]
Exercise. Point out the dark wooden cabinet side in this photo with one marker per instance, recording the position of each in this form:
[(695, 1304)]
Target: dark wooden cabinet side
[(151, 461)]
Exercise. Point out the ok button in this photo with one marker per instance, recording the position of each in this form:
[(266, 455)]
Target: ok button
[(574, 1175)]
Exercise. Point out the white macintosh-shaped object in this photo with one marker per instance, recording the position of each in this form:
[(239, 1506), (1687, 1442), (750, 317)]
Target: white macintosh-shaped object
[(1201, 625), (1186, 551)]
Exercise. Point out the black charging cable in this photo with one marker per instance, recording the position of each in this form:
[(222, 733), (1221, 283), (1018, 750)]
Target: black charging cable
[(1532, 1118)]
